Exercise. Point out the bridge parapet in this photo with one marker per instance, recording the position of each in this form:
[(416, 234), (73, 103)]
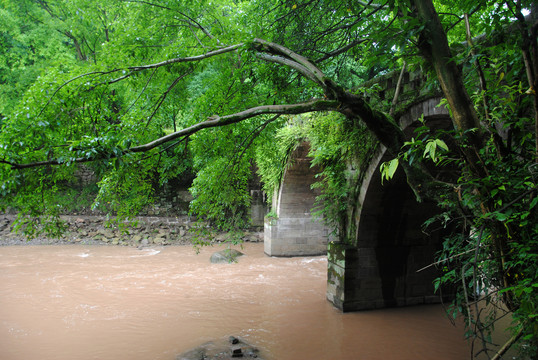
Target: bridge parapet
[(415, 87)]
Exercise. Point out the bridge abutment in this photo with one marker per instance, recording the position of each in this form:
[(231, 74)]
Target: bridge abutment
[(356, 280), (383, 268)]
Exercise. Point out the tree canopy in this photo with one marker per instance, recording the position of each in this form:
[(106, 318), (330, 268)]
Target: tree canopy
[(145, 91)]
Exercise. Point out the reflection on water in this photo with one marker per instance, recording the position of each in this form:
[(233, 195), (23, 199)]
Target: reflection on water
[(84, 302)]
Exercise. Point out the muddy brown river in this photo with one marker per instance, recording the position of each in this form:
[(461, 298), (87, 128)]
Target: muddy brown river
[(99, 302)]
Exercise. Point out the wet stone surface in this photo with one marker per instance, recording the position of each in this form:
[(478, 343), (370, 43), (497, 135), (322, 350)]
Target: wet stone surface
[(232, 348), (225, 256)]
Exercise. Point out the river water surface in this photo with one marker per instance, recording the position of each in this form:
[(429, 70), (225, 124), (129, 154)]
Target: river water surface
[(98, 302)]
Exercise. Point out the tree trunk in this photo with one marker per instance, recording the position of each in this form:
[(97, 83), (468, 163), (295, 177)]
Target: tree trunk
[(433, 44)]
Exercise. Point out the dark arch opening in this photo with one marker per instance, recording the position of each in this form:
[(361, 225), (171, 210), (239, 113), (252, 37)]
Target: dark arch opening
[(391, 229)]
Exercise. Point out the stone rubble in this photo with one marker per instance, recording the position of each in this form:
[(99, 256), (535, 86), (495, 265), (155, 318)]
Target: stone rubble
[(221, 349), (93, 230)]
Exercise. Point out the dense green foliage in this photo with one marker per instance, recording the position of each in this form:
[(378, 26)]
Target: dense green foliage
[(146, 91), (333, 147)]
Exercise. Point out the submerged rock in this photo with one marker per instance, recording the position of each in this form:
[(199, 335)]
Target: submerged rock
[(222, 350), (195, 354), (225, 256)]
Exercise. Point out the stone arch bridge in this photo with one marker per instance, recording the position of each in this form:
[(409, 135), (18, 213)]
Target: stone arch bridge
[(380, 269)]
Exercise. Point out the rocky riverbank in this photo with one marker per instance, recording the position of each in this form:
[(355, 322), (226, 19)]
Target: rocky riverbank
[(93, 230)]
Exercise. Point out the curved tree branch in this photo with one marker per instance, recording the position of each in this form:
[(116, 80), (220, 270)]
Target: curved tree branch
[(140, 68), (341, 50), (217, 121), (70, 81), (213, 121), (187, 59), (164, 95), (294, 65), (272, 48), (250, 138), (189, 20)]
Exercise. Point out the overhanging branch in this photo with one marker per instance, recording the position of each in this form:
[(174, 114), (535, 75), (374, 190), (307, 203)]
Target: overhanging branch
[(294, 65), (217, 121), (187, 59), (341, 50), (189, 20), (264, 46), (213, 121)]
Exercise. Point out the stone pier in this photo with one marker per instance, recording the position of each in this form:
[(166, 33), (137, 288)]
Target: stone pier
[(386, 261), (295, 231)]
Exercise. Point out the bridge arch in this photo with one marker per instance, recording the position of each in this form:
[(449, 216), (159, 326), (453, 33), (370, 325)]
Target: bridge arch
[(380, 268), (295, 231)]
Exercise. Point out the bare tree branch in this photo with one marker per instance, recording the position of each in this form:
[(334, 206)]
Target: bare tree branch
[(266, 46), (189, 20), (140, 68), (187, 59), (213, 121), (294, 65), (398, 88), (217, 121), (508, 344), (341, 50), (70, 81), (165, 94)]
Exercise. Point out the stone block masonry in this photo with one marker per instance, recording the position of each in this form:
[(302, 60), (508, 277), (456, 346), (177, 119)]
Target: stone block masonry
[(295, 237), (295, 231)]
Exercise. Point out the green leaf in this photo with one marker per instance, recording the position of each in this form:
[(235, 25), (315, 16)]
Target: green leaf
[(533, 202), (499, 216), (440, 143), (388, 169)]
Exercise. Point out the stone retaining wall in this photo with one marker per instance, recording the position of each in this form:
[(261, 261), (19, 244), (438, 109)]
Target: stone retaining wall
[(139, 232)]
